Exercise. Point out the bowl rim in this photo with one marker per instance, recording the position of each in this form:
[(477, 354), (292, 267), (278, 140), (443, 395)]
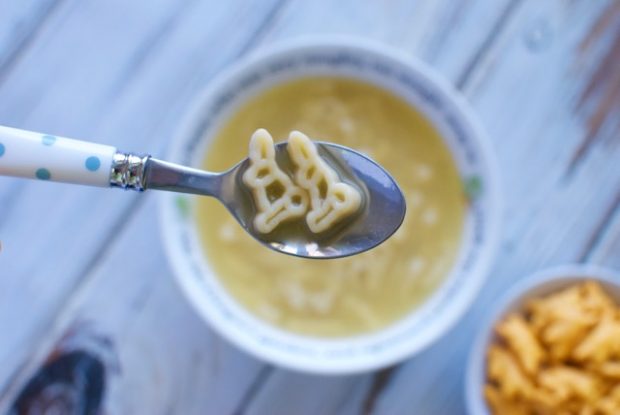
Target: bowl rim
[(492, 180), (564, 275)]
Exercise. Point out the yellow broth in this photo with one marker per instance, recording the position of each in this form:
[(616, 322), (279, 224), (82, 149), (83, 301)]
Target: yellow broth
[(366, 292)]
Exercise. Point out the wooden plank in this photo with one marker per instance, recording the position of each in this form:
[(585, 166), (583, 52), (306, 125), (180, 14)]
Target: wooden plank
[(287, 392), (158, 355), (122, 74), (606, 247), (19, 25)]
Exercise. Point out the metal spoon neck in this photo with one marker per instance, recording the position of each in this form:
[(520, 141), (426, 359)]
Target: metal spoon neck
[(142, 172), (128, 171)]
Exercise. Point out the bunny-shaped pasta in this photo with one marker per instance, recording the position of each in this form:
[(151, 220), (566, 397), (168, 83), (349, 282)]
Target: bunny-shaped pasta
[(277, 198), (331, 200)]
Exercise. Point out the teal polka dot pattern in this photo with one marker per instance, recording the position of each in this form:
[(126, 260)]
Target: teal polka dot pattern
[(1, 149), (43, 174), (92, 163), (48, 140)]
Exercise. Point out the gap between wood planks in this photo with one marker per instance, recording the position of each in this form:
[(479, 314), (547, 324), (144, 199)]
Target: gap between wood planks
[(20, 375), (32, 33), (147, 48), (599, 233), (465, 78), (260, 379), (605, 81)]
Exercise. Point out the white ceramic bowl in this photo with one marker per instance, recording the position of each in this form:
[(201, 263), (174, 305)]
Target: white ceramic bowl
[(418, 85), (540, 284)]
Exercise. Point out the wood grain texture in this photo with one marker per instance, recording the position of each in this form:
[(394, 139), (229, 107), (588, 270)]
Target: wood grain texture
[(605, 244), (158, 354), (528, 67), (53, 234), (21, 22), (551, 217)]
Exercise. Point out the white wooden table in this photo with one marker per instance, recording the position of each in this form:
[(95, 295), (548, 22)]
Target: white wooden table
[(83, 279)]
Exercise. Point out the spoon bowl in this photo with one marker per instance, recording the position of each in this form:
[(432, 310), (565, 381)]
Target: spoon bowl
[(379, 217)]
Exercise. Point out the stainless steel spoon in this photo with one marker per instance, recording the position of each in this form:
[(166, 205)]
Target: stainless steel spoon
[(46, 157)]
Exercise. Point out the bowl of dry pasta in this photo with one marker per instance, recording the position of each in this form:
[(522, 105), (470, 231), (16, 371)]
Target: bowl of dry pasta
[(552, 346)]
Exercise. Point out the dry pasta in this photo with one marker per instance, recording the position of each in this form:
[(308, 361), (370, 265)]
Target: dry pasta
[(562, 356)]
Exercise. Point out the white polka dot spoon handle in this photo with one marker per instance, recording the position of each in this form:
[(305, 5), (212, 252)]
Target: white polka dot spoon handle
[(47, 157)]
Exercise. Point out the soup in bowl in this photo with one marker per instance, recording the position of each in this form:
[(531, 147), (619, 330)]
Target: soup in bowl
[(372, 309)]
